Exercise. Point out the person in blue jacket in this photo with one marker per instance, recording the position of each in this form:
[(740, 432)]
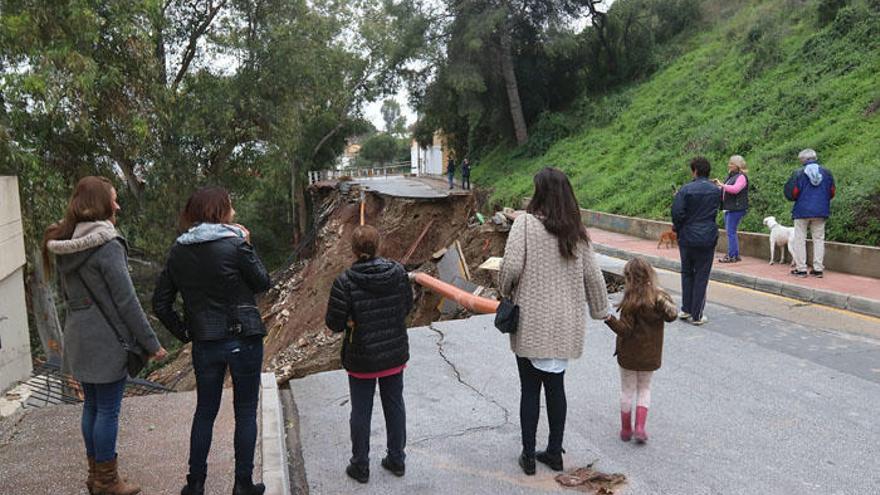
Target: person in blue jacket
[(694, 213), (812, 188)]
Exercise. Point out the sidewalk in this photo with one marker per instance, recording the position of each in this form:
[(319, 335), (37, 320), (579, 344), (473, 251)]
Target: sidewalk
[(41, 450), (839, 290)]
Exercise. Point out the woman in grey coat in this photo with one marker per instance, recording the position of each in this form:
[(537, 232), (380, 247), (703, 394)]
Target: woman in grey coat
[(103, 311)]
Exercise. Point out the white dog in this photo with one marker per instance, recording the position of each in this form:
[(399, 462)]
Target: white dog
[(780, 235)]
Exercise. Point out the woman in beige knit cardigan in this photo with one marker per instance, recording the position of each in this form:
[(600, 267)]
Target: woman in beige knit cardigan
[(550, 271)]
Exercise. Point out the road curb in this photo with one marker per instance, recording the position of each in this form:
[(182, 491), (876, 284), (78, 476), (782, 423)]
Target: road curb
[(296, 464), (274, 450), (833, 299)]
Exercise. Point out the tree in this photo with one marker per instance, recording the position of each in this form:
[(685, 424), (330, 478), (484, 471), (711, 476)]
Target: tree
[(380, 148), (395, 123)]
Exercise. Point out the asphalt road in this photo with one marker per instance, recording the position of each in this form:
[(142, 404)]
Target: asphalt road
[(753, 402), (402, 187)]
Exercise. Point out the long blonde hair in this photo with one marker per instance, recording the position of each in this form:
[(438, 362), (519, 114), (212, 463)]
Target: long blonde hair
[(640, 286)]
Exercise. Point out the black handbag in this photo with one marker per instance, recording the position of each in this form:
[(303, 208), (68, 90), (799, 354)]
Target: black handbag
[(507, 316), (136, 361)]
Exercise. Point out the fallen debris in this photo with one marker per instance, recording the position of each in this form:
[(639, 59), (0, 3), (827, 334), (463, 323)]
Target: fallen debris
[(588, 480)]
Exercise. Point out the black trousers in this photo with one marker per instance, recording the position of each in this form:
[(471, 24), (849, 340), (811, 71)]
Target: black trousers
[(465, 181), (531, 379), (391, 393), (696, 264)]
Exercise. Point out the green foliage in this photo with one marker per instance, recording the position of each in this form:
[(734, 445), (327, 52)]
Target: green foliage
[(380, 148), (827, 10), (634, 143)]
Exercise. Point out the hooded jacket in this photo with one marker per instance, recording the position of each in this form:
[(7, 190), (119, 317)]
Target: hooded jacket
[(370, 302), (218, 274), (812, 188), (95, 262)]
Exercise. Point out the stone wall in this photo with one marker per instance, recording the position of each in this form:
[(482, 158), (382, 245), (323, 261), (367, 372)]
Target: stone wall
[(839, 257)]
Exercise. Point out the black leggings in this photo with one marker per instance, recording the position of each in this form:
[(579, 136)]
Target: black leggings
[(531, 379)]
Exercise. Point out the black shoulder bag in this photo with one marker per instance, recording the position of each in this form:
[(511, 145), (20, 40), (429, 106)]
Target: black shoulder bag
[(507, 314), (136, 361)]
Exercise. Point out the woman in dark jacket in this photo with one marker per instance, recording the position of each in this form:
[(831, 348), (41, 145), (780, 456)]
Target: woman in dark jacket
[(370, 302), (215, 269), (103, 313)]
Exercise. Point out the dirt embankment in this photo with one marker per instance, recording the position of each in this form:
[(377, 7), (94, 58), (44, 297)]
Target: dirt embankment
[(298, 342)]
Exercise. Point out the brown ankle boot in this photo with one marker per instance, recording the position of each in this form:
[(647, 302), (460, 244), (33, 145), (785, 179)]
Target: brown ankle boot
[(108, 481), (90, 481)]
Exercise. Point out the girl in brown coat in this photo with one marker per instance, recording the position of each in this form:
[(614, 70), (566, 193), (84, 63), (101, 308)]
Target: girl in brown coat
[(639, 330)]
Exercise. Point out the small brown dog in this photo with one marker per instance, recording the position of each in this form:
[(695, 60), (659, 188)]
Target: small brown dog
[(670, 238)]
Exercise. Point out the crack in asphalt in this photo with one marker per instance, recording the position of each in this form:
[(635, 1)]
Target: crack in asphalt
[(457, 373)]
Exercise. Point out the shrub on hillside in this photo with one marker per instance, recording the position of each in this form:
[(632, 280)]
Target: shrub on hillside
[(827, 10)]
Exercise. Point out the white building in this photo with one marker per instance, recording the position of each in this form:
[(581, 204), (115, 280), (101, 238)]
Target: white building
[(15, 349), (430, 160)]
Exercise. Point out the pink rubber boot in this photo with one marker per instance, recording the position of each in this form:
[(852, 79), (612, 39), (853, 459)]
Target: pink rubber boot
[(626, 431), (641, 417)]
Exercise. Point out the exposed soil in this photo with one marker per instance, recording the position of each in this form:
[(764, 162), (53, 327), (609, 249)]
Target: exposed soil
[(298, 343)]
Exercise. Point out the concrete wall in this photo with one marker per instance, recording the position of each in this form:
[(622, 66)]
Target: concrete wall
[(839, 257), (15, 349)]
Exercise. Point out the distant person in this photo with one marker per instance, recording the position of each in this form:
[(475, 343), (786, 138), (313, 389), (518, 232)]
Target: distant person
[(694, 211), (215, 269), (466, 174), (369, 302), (450, 172), (812, 188), (550, 271), (644, 308), (103, 313), (735, 203)]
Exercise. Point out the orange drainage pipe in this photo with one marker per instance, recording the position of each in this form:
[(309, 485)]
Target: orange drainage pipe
[(466, 299)]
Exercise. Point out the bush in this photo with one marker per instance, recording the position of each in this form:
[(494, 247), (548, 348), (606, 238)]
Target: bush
[(827, 10)]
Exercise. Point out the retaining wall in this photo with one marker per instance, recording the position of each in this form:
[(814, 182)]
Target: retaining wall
[(839, 257)]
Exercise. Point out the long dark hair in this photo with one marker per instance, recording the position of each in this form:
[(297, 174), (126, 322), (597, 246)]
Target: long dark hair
[(91, 201), (207, 205), (554, 201)]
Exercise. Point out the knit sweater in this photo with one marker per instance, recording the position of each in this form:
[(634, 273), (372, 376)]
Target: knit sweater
[(551, 291)]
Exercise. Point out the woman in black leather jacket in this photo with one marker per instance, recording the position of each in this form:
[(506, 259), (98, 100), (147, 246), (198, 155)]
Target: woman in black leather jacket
[(215, 269)]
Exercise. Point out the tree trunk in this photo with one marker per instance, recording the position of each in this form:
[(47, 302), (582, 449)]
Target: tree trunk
[(45, 312), (293, 214), (507, 71)]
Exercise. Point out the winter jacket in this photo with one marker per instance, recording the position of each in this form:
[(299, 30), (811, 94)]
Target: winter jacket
[(217, 273), (694, 211), (552, 291), (738, 201), (95, 262), (450, 167), (640, 335), (370, 302), (465, 168), (812, 188)]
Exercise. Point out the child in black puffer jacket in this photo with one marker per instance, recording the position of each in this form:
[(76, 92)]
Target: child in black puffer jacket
[(370, 302)]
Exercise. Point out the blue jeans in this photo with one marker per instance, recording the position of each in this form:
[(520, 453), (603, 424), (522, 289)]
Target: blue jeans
[(391, 393), (244, 359), (451, 180), (696, 265), (100, 418), (731, 224)]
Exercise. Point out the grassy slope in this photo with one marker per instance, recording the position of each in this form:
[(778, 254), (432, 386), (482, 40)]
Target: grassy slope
[(718, 98)]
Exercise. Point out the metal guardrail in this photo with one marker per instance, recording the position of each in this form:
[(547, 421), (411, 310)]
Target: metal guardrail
[(48, 386), (361, 172)]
